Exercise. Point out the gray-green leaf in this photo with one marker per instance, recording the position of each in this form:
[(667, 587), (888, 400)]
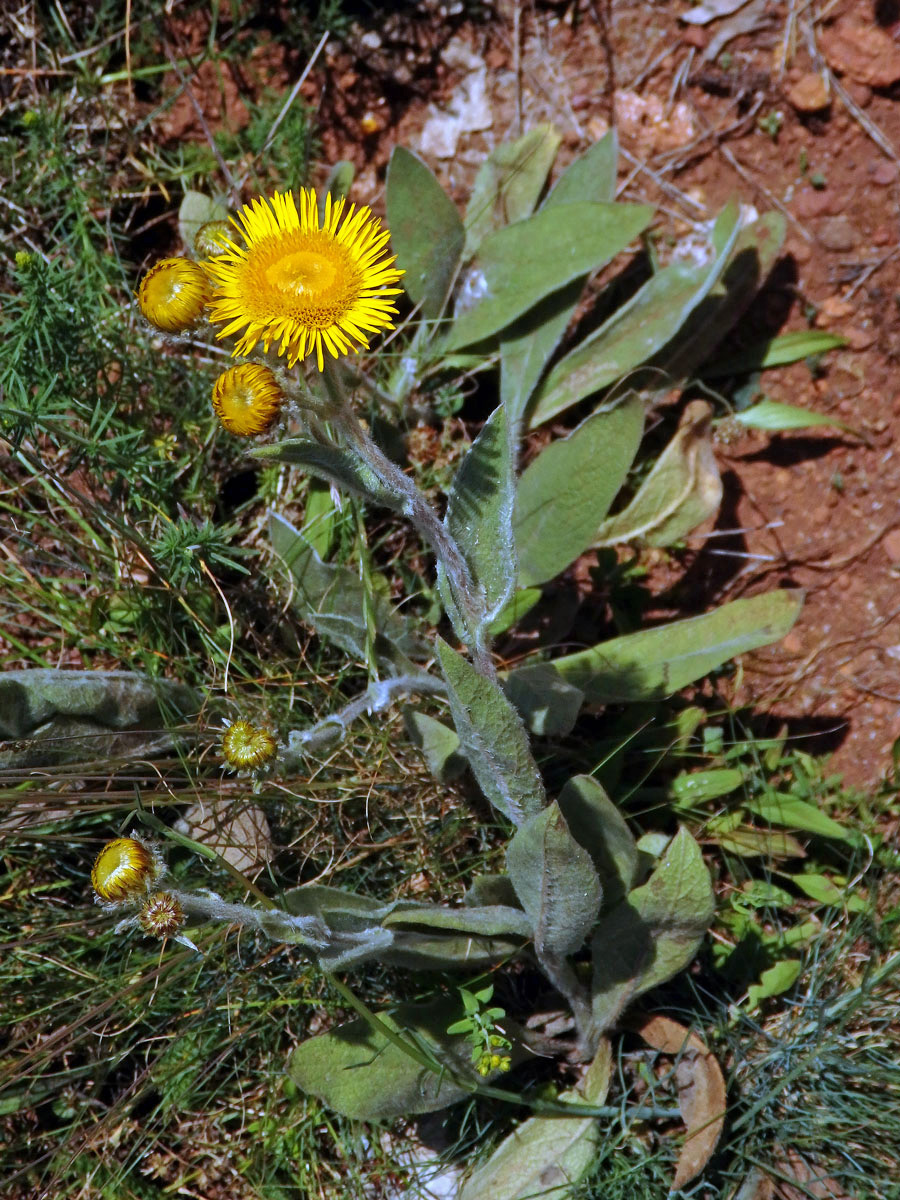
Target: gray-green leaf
[(555, 881), (508, 183), (492, 738), (598, 826), (439, 745)]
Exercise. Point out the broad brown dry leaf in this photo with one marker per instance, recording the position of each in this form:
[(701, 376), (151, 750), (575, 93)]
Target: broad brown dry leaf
[(237, 830), (701, 1092)]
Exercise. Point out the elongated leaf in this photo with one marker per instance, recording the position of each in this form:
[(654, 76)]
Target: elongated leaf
[(443, 950), (492, 738), (760, 843), (591, 176), (695, 787), (358, 1072), (528, 344), (525, 262), (426, 231), (508, 184), (566, 492), (779, 808), (438, 743), (635, 332), (774, 417), (494, 920), (657, 662), (335, 466), (654, 932), (776, 352), (480, 513), (546, 1156), (555, 881), (548, 705), (334, 600), (683, 488), (55, 716), (598, 826)]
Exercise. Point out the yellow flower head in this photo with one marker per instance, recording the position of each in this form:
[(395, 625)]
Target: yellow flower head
[(247, 399), (245, 745), (124, 869), (173, 294), (161, 916), (300, 285)]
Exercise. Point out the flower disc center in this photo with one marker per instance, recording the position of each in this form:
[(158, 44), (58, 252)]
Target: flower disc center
[(304, 274)]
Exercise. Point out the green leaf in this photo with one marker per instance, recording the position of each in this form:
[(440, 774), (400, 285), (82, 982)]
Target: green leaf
[(345, 471), (548, 705), (508, 184), (525, 262), (591, 176), (319, 516), (421, 950), (195, 210), (565, 493), (681, 491), (438, 743), (491, 889), (555, 881), (492, 738), (760, 843), (335, 602), (778, 979), (426, 231), (637, 330), (654, 933), (355, 1070), (825, 890), (546, 1156), (517, 606), (781, 809), (776, 352), (656, 662), (57, 716), (528, 344), (480, 513), (598, 826), (493, 920), (695, 787), (775, 417)]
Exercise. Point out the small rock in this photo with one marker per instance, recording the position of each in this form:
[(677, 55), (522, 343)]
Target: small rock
[(891, 543), (836, 233), (835, 308), (811, 203), (865, 52), (809, 94), (883, 236), (792, 643), (885, 173)]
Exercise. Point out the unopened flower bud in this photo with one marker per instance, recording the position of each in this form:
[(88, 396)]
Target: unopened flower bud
[(246, 746), (173, 294), (161, 916), (212, 239), (247, 399), (124, 869)]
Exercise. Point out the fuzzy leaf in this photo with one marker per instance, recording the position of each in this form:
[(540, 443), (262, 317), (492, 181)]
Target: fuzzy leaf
[(565, 493), (439, 745), (591, 176), (555, 881), (480, 513), (681, 491), (525, 262), (656, 662), (598, 826), (345, 471), (652, 934), (355, 1070), (426, 231), (548, 705), (492, 738), (494, 920), (508, 184)]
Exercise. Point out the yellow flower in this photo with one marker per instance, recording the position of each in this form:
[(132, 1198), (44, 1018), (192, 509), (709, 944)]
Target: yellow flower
[(161, 916), (245, 745), (305, 287), (124, 869), (247, 399), (173, 294)]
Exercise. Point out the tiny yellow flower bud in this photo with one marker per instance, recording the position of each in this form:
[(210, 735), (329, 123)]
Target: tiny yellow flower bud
[(484, 1065), (161, 916), (505, 1063), (247, 399), (369, 123), (173, 294), (212, 239), (124, 869), (495, 1061), (246, 745), (24, 259)]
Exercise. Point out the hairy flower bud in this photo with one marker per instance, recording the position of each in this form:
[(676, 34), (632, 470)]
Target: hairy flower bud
[(161, 916), (247, 399), (245, 745), (173, 294), (212, 238), (125, 869)]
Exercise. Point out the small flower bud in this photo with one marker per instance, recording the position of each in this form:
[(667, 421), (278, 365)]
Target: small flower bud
[(161, 916), (173, 294), (247, 399), (24, 259), (124, 869), (245, 745), (212, 239)]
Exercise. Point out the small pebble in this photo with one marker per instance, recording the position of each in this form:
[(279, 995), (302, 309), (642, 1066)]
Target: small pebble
[(836, 233), (885, 173), (809, 94)]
